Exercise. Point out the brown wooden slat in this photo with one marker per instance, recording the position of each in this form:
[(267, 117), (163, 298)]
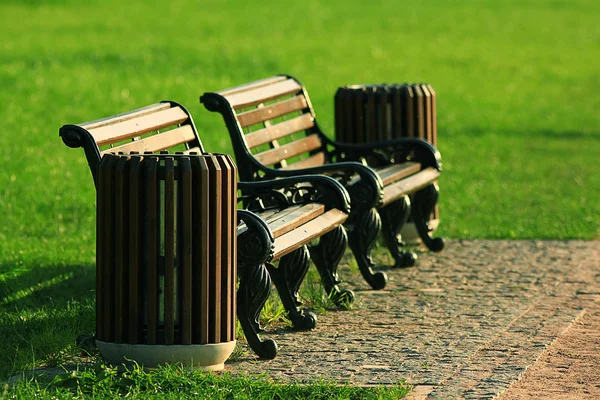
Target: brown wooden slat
[(201, 252), (109, 240), (359, 116), (274, 156), (324, 223), (227, 249), (383, 110), (395, 172), (277, 131), (125, 116), (215, 215), (433, 116), (138, 126), (371, 116), (169, 235), (233, 262), (100, 247), (427, 128), (409, 185), (120, 233), (254, 96), (158, 142), (419, 102), (252, 85), (339, 114), (272, 111), (287, 221), (134, 252), (184, 241), (152, 224), (313, 161)]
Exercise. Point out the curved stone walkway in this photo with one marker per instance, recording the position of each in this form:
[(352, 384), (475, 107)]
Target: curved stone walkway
[(464, 323)]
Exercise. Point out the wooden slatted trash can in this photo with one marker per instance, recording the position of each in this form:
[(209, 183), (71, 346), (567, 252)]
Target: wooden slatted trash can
[(372, 113), (166, 267)]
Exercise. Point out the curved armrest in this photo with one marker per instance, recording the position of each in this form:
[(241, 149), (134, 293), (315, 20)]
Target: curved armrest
[(371, 186), (324, 189), (255, 240), (417, 149)]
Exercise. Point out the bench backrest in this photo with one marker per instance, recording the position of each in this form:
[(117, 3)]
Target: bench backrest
[(158, 127), (272, 122)]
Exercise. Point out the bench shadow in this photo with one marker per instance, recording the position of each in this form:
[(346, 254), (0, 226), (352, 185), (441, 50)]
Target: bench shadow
[(40, 306)]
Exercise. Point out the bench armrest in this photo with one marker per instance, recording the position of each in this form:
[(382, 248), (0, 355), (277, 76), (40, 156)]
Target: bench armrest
[(300, 189), (366, 192), (255, 239), (398, 150)]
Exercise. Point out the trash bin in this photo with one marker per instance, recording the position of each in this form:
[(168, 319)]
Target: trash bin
[(166, 266), (371, 113)]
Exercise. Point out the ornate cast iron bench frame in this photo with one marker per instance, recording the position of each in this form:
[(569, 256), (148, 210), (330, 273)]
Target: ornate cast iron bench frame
[(275, 134)]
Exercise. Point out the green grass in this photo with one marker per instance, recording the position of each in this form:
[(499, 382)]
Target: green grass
[(174, 382), (518, 121)]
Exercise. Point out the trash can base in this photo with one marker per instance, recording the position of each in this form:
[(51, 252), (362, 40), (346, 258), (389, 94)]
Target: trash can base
[(409, 231), (210, 356)]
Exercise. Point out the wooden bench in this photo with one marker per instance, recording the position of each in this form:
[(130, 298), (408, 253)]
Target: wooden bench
[(281, 218), (275, 134)]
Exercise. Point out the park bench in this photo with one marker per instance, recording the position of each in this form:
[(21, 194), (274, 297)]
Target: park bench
[(279, 220), (275, 134)]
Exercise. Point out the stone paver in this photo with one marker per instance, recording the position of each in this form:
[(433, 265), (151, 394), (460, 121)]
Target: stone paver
[(466, 323)]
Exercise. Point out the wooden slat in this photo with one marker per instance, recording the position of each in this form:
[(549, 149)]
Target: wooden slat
[(252, 85), (169, 246), (227, 249), (157, 142), (120, 233), (324, 223), (371, 115), (233, 261), (419, 111), (359, 115), (272, 111), (277, 131), (274, 156), (396, 172), (134, 252), (215, 215), (313, 161), (152, 224), (287, 220), (409, 185), (427, 132), (125, 116), (184, 241), (201, 252), (138, 126), (259, 95), (433, 116), (100, 247)]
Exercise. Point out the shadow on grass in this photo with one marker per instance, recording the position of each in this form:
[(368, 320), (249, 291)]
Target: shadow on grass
[(42, 311)]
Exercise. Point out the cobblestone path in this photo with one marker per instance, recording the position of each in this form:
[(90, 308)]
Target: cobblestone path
[(464, 323)]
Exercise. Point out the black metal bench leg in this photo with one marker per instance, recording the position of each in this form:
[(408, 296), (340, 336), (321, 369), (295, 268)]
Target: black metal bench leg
[(326, 256), (287, 277), (425, 201), (254, 289), (364, 227), (393, 218)]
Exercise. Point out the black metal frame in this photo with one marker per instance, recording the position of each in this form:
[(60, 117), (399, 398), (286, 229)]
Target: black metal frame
[(342, 162), (256, 241)]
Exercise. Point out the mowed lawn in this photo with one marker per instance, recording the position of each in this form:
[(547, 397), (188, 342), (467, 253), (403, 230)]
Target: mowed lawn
[(518, 124)]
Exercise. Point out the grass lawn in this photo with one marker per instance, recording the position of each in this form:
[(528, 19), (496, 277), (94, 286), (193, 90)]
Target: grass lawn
[(518, 120)]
